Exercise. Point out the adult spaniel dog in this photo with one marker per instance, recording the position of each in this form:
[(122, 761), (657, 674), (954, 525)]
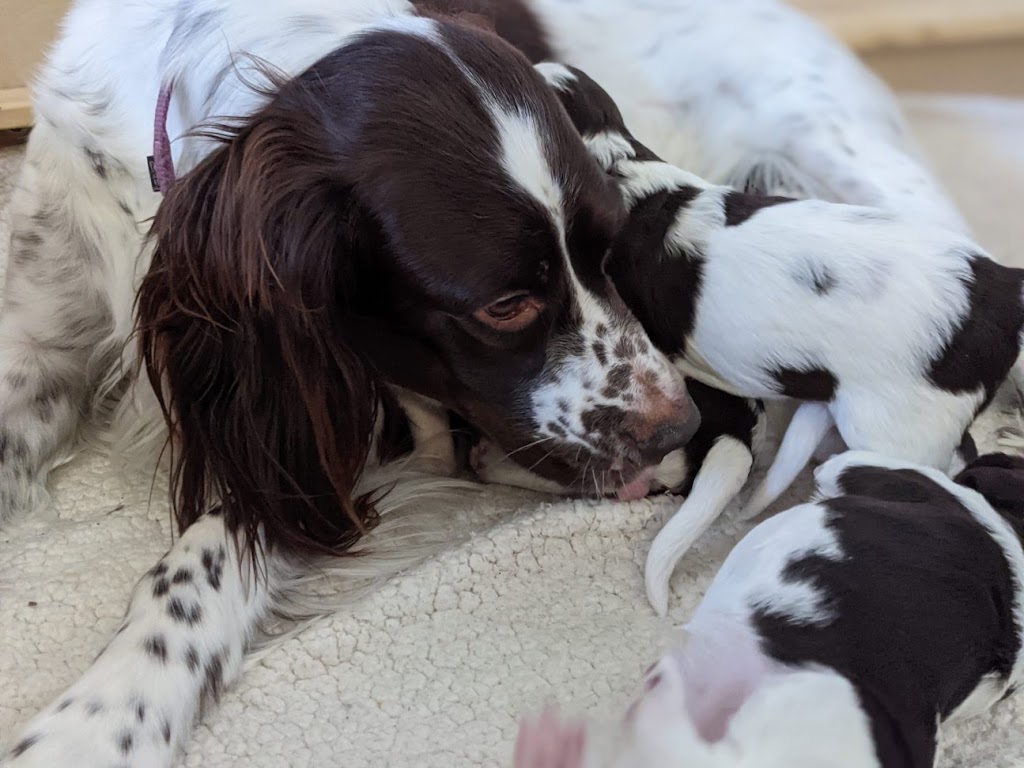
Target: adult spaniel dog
[(279, 223)]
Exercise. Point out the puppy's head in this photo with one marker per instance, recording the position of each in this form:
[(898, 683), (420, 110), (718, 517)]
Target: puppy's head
[(415, 209), (594, 114), (999, 477)]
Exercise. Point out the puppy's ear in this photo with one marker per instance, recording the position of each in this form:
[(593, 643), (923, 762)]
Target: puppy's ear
[(998, 477), (244, 329)]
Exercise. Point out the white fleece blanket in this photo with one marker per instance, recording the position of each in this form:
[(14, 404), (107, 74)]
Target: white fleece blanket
[(545, 602)]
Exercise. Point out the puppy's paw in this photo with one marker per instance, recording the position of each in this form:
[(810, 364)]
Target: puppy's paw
[(548, 742), (492, 465)]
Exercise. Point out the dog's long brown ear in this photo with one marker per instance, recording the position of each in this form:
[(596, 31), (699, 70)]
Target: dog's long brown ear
[(242, 318)]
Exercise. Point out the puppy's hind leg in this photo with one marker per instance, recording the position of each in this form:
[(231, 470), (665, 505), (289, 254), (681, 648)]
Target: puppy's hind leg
[(810, 424), (721, 476)]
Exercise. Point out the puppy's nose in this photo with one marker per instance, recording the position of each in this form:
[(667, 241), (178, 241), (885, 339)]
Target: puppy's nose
[(664, 428)]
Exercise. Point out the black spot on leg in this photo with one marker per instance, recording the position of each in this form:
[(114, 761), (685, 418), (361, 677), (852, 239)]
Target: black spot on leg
[(161, 587), (739, 207), (65, 704), (23, 746), (12, 447), (214, 678), (807, 384), (186, 614), (600, 353), (93, 708), (182, 576), (156, 647), (16, 379), (602, 330), (43, 402), (192, 658), (140, 711), (125, 742), (166, 731), (159, 569), (213, 565), (30, 239), (124, 208), (97, 160)]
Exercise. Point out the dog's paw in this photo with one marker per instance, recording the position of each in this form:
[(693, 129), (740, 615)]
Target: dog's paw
[(92, 732)]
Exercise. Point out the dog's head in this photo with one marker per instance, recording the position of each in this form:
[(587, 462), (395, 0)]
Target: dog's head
[(999, 477), (414, 209)]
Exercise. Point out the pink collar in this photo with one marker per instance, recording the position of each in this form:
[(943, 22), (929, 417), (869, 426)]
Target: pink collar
[(161, 163)]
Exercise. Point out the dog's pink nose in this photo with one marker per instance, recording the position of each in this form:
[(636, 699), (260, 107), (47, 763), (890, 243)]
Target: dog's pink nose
[(664, 426)]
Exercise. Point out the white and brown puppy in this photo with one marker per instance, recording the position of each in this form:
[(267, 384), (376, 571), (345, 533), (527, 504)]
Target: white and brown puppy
[(896, 332), (842, 632)]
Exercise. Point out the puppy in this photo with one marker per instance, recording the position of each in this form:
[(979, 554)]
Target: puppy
[(842, 632), (894, 332)]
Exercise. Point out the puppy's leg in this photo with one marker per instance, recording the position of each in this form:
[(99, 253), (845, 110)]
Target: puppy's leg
[(58, 337), (182, 640), (431, 433), (810, 424), (921, 425), (723, 473), (492, 465)]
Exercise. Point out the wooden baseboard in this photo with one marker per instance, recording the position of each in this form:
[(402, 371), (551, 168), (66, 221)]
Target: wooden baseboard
[(15, 108), (868, 25), (991, 68)]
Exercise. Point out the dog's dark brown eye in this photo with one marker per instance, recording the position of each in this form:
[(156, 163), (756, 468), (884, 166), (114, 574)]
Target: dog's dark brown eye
[(511, 313)]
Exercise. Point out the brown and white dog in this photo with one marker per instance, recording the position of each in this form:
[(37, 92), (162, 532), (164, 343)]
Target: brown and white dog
[(372, 197)]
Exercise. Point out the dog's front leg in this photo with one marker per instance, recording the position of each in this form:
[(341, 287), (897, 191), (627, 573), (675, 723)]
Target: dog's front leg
[(182, 640)]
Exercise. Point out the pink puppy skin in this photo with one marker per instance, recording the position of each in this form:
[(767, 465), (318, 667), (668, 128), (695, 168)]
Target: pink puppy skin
[(797, 719)]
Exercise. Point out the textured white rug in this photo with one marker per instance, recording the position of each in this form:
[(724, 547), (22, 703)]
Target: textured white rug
[(545, 602)]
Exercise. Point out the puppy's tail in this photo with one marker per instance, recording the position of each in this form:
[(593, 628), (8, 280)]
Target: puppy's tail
[(810, 424), (721, 476)]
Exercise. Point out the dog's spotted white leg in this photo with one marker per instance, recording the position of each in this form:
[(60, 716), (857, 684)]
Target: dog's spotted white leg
[(182, 640), (75, 238)]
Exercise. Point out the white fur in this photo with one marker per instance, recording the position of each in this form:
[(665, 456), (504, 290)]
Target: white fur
[(721, 476), (796, 112)]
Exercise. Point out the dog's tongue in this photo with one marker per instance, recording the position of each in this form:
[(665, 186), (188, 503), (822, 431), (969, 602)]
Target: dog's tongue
[(637, 488)]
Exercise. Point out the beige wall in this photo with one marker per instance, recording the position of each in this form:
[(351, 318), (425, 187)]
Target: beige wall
[(27, 27)]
